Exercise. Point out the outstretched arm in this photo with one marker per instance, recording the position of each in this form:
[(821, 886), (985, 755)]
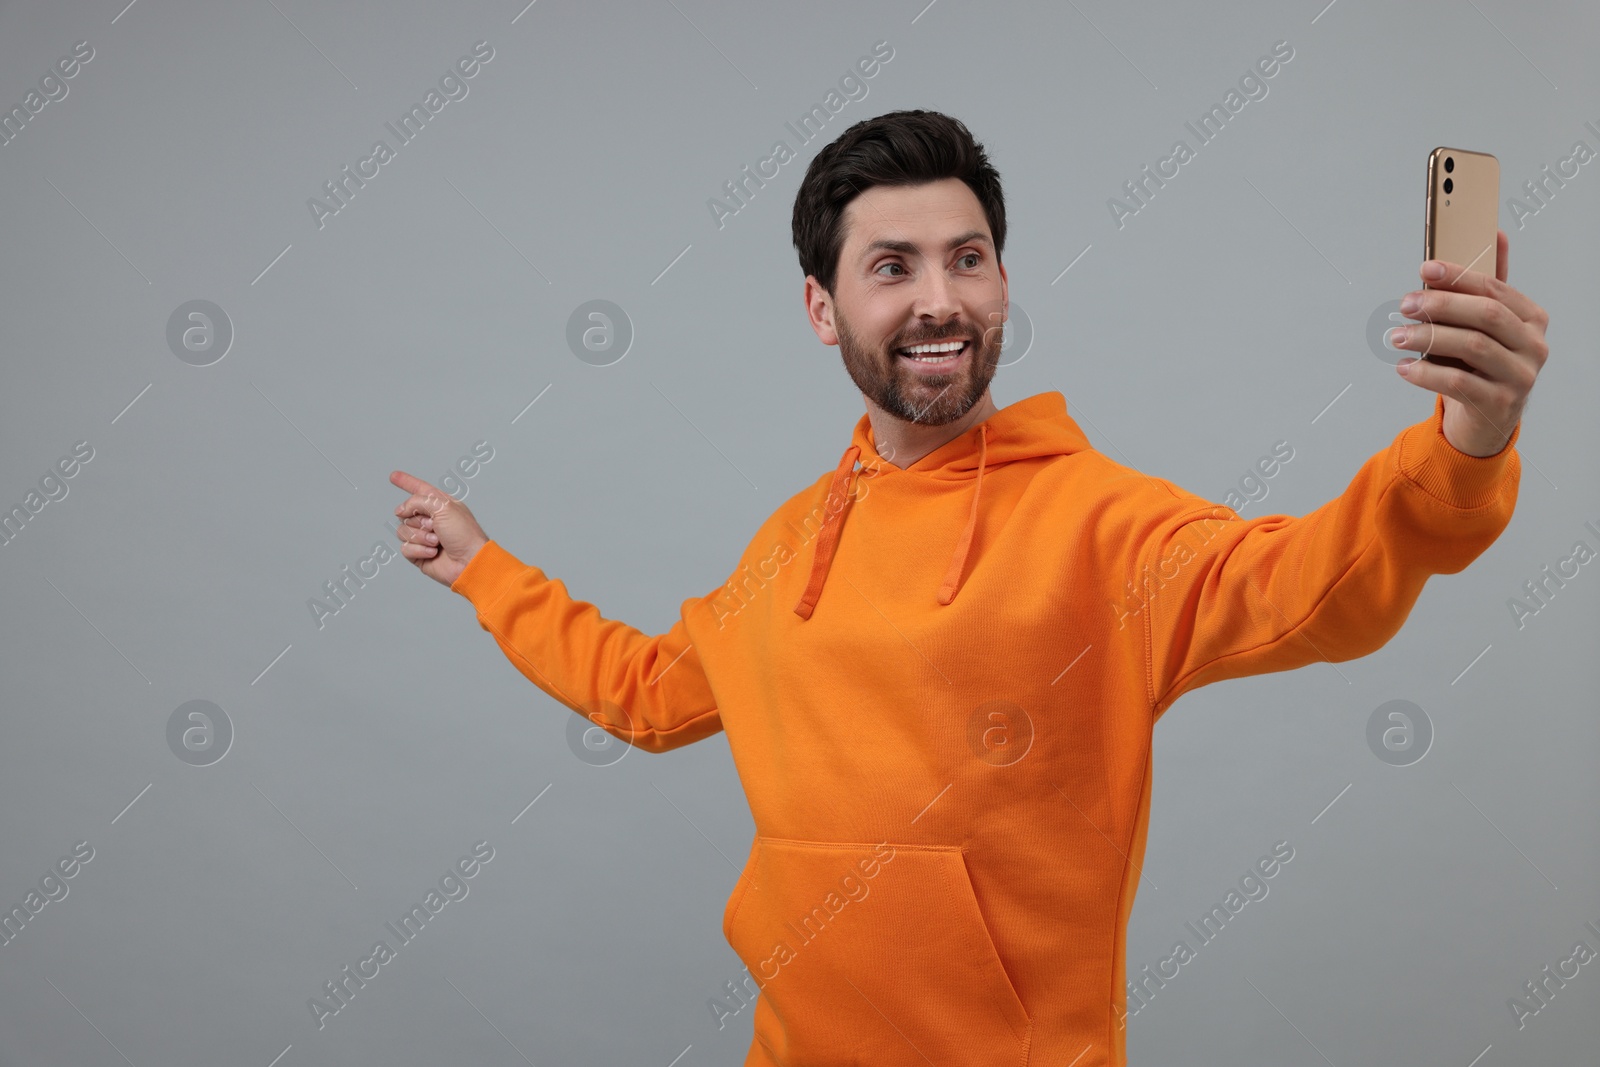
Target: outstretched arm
[(648, 691), (1222, 597)]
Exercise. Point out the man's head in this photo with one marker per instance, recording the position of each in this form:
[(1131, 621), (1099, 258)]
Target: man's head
[(900, 224)]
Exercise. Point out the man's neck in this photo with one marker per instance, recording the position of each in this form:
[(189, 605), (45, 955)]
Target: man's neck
[(904, 443)]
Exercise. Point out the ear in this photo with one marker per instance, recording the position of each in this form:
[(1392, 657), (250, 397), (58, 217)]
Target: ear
[(819, 310)]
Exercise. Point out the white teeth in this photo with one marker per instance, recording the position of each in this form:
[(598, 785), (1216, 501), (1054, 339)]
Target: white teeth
[(935, 353)]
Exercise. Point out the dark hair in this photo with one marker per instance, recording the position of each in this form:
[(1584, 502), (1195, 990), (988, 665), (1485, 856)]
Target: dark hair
[(896, 148)]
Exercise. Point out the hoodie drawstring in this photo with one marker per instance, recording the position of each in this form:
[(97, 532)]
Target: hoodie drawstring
[(828, 537), (952, 577)]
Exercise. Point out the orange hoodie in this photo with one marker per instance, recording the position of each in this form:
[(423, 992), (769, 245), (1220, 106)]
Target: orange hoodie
[(939, 684)]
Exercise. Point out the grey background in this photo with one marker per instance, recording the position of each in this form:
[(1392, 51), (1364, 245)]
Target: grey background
[(370, 754)]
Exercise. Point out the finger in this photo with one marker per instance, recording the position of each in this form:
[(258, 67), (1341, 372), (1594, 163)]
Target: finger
[(412, 535), (1482, 353), (417, 553), (421, 494), (1459, 279), (427, 504), (1430, 376), (406, 481), (1502, 255), (1457, 384), (1482, 313), (421, 522)]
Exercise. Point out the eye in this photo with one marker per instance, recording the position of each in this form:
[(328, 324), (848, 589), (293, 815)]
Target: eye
[(972, 255), (891, 263)]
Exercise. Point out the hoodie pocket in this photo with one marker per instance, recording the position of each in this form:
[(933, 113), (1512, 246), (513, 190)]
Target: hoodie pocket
[(872, 954)]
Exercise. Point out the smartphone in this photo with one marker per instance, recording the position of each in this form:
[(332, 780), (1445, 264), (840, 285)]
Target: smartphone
[(1462, 215)]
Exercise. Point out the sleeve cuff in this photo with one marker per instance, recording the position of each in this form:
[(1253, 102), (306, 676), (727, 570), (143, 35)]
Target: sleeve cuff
[(487, 574), (1427, 458)]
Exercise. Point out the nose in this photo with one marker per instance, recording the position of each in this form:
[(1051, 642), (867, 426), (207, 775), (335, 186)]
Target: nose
[(935, 299)]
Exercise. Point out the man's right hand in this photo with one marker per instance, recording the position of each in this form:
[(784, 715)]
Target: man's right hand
[(437, 531)]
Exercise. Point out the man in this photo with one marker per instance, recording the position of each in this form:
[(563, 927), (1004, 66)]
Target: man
[(939, 665)]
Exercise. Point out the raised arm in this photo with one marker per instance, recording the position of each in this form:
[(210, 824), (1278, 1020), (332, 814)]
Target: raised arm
[(1277, 592), (1223, 597)]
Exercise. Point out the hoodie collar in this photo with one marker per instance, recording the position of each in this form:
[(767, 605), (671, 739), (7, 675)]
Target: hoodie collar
[(1030, 428)]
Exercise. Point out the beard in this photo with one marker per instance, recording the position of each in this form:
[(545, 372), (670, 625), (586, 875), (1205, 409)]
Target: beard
[(924, 399)]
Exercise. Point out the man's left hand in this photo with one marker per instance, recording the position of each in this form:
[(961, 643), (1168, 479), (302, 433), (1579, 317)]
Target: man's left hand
[(1489, 325)]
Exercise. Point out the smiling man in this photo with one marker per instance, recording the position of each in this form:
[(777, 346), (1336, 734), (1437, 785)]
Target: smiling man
[(948, 654), (927, 359)]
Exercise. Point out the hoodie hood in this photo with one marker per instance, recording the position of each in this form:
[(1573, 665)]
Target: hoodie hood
[(1028, 429)]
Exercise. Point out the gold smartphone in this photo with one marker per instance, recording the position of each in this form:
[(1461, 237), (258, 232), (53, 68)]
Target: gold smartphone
[(1462, 215)]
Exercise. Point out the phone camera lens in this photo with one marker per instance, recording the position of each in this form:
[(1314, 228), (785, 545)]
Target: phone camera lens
[(1449, 184), (1449, 164)]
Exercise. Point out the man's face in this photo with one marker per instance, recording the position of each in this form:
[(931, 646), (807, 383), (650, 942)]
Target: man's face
[(917, 266)]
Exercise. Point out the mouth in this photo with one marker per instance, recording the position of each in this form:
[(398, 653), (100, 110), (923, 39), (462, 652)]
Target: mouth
[(939, 357)]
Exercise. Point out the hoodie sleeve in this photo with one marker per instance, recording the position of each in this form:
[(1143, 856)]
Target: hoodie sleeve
[(648, 691), (1225, 597)]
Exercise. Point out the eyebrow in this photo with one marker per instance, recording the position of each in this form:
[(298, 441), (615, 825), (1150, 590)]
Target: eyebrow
[(909, 248)]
